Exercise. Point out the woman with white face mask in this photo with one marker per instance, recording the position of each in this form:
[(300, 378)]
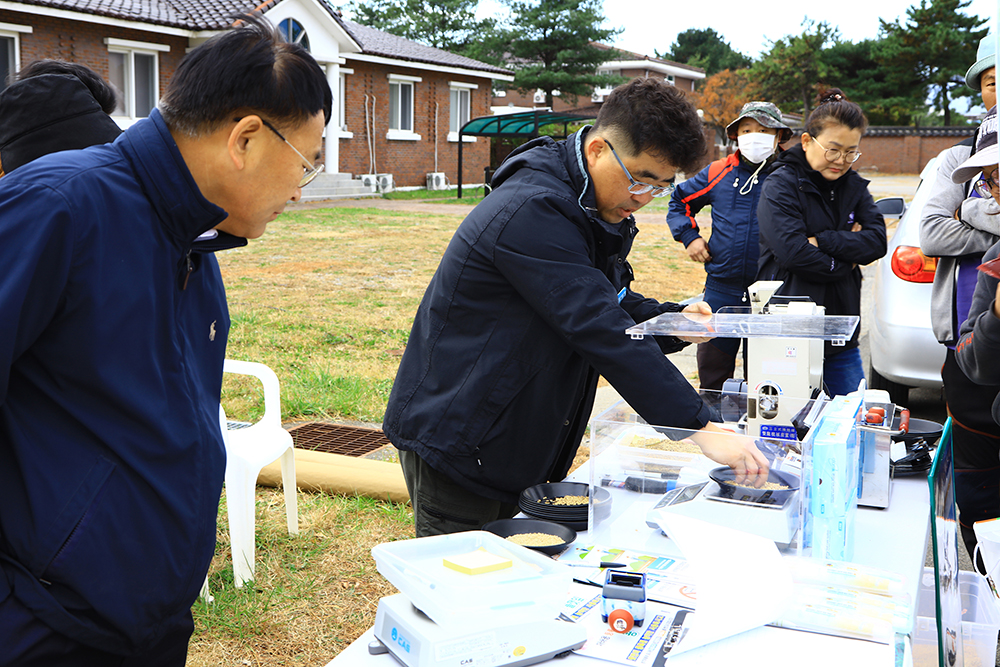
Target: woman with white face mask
[(731, 186)]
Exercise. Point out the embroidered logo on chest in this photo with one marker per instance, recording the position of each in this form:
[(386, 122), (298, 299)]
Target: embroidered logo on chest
[(211, 330)]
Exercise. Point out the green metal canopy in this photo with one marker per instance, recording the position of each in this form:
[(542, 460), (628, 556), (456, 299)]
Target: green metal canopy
[(522, 124)]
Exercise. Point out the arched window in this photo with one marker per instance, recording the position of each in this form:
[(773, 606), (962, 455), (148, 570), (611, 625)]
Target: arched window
[(294, 33)]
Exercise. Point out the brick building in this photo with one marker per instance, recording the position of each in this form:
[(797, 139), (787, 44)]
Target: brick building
[(442, 90), (396, 103)]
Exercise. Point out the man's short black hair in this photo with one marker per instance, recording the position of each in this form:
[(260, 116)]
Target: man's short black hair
[(249, 69), (649, 115), (99, 88)]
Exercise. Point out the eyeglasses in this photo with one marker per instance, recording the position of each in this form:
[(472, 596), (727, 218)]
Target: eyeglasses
[(986, 185), (638, 188), (311, 170), (834, 154)]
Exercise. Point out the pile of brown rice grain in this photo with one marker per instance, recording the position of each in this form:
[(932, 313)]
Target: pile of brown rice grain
[(535, 539), (566, 500), (768, 486)]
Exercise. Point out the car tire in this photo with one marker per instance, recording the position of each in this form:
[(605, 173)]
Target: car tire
[(898, 393)]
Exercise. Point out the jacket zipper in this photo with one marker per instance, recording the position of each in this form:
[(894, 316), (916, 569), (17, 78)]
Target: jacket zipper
[(189, 266)]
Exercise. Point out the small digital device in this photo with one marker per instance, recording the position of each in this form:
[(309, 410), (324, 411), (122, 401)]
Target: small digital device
[(623, 600)]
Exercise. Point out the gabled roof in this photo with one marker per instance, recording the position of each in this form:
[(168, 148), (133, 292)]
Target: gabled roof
[(209, 15), (378, 43), (621, 54), (185, 14)]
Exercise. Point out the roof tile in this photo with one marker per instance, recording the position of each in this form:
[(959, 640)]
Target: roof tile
[(214, 15), (379, 43)]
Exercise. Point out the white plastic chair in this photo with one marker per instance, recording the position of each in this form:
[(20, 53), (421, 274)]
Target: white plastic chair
[(248, 450)]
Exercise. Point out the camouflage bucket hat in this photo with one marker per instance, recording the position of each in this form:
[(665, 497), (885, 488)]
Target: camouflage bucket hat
[(766, 114)]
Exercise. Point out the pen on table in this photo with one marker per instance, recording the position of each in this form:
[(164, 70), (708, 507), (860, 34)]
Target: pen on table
[(641, 484), (593, 565)]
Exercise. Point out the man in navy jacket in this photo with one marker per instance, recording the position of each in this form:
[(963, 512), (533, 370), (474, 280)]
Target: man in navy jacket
[(529, 306), (112, 345)]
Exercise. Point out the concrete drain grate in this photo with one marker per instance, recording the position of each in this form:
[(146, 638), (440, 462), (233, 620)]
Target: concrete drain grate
[(338, 439)]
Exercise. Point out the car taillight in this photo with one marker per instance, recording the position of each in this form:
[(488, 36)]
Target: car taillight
[(913, 266)]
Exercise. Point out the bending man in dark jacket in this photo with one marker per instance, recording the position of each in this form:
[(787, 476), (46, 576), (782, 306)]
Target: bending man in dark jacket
[(530, 305), (112, 345)]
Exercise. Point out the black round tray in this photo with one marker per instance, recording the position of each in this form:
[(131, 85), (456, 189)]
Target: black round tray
[(725, 474), (507, 527)]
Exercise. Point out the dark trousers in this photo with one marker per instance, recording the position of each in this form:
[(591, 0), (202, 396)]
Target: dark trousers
[(440, 506), (717, 357), (27, 642), (976, 448)]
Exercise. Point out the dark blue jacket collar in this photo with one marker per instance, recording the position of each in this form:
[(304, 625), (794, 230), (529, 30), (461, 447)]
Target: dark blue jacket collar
[(562, 159), (164, 176)]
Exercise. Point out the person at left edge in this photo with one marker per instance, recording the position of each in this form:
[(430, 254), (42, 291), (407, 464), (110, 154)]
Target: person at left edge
[(112, 347), (530, 305)]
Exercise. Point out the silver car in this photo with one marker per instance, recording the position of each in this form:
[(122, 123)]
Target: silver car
[(904, 351)]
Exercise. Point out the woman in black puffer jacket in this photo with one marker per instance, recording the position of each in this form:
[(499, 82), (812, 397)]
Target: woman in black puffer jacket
[(818, 224)]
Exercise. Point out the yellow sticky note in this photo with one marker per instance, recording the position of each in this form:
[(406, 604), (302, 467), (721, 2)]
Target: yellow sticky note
[(479, 561)]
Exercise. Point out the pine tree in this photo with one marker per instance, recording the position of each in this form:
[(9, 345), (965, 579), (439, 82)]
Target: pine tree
[(551, 47), (931, 50), (706, 49), (450, 25), (790, 72)]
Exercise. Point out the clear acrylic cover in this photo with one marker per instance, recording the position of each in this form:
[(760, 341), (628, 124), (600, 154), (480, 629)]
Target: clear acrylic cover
[(634, 464), (834, 328)]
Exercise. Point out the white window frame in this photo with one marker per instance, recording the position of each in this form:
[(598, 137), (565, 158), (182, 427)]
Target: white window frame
[(460, 86), (343, 132), (404, 80), (129, 48), (14, 31)]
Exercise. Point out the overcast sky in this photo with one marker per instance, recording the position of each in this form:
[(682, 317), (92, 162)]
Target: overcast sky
[(652, 25)]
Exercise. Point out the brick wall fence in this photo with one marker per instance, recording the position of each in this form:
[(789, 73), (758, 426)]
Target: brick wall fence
[(906, 150)]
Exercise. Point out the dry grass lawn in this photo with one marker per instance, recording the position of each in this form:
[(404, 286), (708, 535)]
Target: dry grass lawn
[(326, 299)]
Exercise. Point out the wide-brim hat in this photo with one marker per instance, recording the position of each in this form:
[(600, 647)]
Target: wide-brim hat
[(766, 114), (986, 150), (49, 113), (986, 57)]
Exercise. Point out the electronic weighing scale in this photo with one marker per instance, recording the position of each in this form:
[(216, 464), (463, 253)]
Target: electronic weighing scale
[(417, 641), (778, 523), (496, 618)]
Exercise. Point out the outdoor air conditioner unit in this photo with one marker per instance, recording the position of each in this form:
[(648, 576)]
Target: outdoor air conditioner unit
[(436, 181), (385, 182), (539, 97), (369, 181), (600, 94)]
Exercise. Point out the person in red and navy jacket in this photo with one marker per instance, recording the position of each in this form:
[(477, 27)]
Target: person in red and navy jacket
[(731, 186)]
